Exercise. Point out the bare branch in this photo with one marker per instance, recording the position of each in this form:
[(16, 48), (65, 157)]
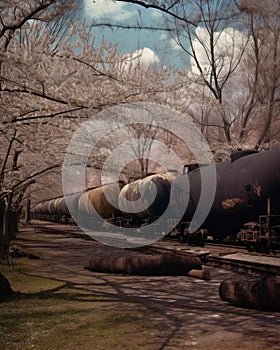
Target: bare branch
[(126, 26), (160, 8), (40, 172), (41, 7), (47, 116)]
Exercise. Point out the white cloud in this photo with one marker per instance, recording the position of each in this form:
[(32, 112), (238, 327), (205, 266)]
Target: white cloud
[(228, 47), (174, 44), (144, 57), (156, 14), (107, 8)]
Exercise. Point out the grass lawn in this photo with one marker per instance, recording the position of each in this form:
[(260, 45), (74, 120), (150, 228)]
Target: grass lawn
[(47, 324), (47, 314)]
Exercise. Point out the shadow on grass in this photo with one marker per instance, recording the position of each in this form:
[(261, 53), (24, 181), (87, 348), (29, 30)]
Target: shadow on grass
[(181, 305), (172, 309)]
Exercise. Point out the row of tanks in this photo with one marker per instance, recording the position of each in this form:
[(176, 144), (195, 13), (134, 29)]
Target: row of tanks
[(142, 200), (212, 200)]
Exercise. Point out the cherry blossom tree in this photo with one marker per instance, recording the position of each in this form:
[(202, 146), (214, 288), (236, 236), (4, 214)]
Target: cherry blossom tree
[(15, 16), (51, 80)]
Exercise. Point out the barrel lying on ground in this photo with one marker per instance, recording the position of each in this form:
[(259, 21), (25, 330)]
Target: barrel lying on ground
[(146, 265), (263, 294)]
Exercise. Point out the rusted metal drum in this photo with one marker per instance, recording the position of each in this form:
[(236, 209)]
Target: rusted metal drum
[(263, 294), (146, 265), (148, 197)]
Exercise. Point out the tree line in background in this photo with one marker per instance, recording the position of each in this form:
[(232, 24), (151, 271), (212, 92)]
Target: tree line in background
[(53, 76), (231, 88)]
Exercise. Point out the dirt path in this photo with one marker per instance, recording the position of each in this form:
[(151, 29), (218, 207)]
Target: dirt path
[(185, 313)]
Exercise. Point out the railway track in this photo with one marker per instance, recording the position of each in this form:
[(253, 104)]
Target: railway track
[(225, 256)]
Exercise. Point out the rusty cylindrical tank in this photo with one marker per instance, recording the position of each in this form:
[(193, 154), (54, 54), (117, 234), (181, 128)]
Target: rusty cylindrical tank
[(242, 188), (148, 197), (263, 294), (100, 203), (146, 265)]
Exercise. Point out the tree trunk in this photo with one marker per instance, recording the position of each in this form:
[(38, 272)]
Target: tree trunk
[(27, 212), (9, 226), (6, 291), (2, 253)]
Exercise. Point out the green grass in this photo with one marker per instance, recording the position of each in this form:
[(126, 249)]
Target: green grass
[(68, 326), (47, 314), (50, 314), (25, 283), (36, 323)]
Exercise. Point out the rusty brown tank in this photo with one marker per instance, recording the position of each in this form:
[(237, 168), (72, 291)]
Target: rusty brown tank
[(263, 294), (101, 200), (148, 197), (146, 265)]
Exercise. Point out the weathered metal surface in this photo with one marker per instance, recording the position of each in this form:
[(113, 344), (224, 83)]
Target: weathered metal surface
[(69, 204), (102, 200), (150, 195), (262, 294), (54, 209), (243, 187), (146, 265), (61, 206)]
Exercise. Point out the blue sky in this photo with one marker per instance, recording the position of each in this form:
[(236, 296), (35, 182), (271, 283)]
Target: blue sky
[(164, 50)]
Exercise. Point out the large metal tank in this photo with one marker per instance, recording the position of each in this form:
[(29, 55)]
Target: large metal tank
[(50, 207), (55, 209), (243, 186), (61, 207), (47, 207), (37, 208), (68, 205), (146, 198), (101, 200), (46, 210)]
